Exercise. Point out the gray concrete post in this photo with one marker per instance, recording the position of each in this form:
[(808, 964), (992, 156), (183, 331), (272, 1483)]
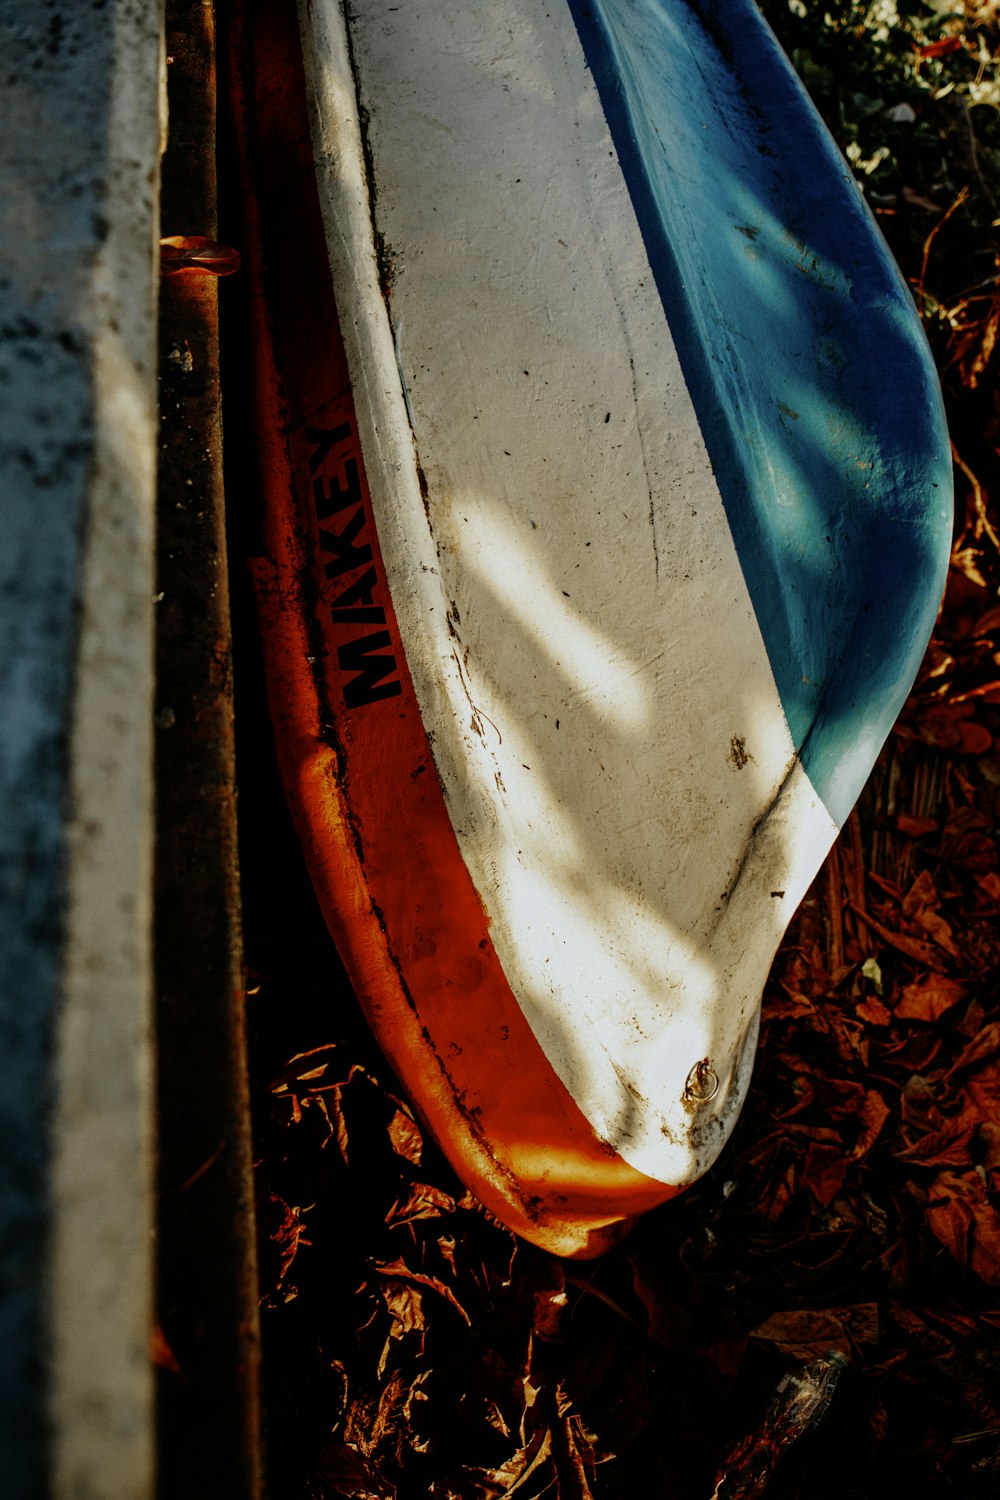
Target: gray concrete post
[(79, 153)]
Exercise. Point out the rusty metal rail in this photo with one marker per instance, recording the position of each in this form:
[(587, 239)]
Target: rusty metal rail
[(207, 1408)]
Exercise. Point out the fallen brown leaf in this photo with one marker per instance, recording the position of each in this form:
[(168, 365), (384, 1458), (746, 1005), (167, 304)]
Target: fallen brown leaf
[(823, 1171), (350, 1474), (927, 998), (404, 1133), (397, 1270), (810, 1334), (422, 1202), (966, 1223)]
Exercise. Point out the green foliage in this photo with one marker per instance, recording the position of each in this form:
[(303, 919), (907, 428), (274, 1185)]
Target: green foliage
[(910, 91)]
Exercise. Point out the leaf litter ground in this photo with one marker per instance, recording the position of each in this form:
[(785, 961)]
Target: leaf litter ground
[(412, 1347)]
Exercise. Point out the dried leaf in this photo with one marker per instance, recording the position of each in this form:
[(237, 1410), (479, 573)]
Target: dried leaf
[(938, 930), (967, 843), (982, 1088), (941, 725), (916, 827), (983, 1048), (791, 1005), (811, 1334), (289, 1233), (975, 739), (927, 998), (920, 1104), (873, 1011), (512, 1477), (374, 1417), (873, 1114), (916, 1051), (823, 1171), (576, 1461), (405, 1303), (921, 896), (948, 1147), (397, 1269), (921, 953), (305, 1065), (334, 1106), (422, 1202), (404, 1133), (416, 1399), (962, 1218), (349, 1472)]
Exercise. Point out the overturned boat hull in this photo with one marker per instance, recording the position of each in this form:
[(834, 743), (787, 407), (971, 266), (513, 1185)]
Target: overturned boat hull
[(606, 515)]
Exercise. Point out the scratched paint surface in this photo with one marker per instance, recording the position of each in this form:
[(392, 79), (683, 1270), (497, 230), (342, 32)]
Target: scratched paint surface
[(616, 754), (578, 588), (355, 756), (810, 372)]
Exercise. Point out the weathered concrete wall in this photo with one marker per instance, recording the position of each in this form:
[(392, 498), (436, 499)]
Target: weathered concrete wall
[(78, 226)]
